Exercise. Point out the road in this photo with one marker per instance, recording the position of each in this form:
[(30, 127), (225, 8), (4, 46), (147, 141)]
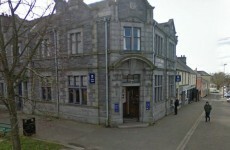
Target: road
[(185, 131), (216, 134)]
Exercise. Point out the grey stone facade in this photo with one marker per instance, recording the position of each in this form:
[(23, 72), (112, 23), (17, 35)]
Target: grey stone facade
[(131, 74)]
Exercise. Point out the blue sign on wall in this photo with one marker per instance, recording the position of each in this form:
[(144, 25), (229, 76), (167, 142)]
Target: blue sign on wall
[(147, 105), (178, 78), (91, 78), (116, 107)]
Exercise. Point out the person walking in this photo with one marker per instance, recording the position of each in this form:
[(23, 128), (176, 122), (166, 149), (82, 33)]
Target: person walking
[(207, 109), (176, 104)]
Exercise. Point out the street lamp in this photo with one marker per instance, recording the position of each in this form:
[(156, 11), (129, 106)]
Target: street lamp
[(224, 75), (224, 68)]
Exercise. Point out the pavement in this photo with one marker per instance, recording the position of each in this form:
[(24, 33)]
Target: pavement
[(82, 136)]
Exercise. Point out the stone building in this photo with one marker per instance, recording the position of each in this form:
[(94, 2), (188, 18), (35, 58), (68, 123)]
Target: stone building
[(105, 63), (185, 88)]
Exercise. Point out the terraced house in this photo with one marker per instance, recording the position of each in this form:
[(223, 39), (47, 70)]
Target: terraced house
[(105, 63), (186, 90)]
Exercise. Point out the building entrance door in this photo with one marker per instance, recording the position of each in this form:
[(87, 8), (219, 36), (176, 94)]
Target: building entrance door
[(131, 105)]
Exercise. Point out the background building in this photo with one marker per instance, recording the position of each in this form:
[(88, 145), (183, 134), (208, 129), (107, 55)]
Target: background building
[(203, 83), (186, 88)]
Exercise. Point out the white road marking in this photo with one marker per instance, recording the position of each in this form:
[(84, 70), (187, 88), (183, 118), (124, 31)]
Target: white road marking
[(187, 137)]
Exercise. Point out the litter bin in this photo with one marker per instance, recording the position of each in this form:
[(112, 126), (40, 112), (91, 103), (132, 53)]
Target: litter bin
[(29, 127)]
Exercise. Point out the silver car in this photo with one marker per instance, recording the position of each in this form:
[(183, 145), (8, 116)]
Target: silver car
[(227, 94)]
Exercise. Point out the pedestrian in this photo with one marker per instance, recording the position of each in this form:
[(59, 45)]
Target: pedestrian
[(176, 104), (207, 109)]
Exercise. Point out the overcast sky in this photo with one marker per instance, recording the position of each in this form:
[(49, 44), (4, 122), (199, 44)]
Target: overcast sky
[(203, 29)]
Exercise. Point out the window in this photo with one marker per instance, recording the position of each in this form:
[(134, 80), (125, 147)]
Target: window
[(171, 85), (1, 92), (46, 88), (45, 48), (132, 39), (171, 50), (158, 44), (16, 53), (19, 48), (25, 86), (1, 89), (75, 42), (131, 78), (77, 89), (158, 88)]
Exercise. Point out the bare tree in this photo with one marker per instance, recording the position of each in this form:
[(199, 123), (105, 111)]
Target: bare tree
[(23, 24), (218, 79)]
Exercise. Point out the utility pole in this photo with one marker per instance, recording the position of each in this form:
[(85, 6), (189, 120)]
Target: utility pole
[(224, 75)]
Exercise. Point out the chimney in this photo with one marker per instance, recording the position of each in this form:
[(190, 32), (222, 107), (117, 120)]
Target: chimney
[(182, 58), (60, 6), (74, 4)]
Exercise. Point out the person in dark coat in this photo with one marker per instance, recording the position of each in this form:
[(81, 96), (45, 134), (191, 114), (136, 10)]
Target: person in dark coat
[(176, 104), (207, 109)]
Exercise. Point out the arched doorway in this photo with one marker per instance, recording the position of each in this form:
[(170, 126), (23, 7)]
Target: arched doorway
[(131, 105)]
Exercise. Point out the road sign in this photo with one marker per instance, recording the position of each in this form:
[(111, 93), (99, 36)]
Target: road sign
[(178, 78), (147, 105), (116, 107), (91, 78)]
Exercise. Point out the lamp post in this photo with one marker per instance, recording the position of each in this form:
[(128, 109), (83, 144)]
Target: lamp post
[(224, 75), (224, 68)]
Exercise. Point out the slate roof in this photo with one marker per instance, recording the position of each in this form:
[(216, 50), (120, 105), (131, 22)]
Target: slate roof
[(203, 73), (181, 66)]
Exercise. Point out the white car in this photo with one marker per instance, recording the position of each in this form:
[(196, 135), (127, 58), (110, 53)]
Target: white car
[(215, 91), (227, 94)]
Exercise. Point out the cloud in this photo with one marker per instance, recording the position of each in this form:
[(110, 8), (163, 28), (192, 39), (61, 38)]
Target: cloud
[(223, 57), (224, 41)]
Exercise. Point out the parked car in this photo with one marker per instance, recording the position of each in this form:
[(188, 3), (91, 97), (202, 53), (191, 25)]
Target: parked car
[(227, 94), (215, 91), (228, 100)]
